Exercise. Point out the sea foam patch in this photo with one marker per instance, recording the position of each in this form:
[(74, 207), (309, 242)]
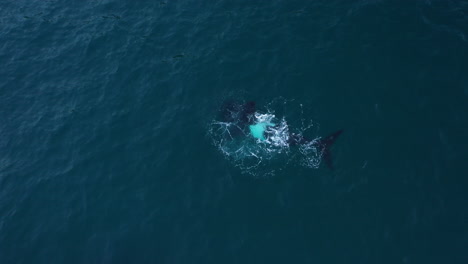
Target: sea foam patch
[(263, 147)]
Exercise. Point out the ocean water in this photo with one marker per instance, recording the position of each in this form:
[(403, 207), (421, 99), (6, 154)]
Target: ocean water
[(106, 154)]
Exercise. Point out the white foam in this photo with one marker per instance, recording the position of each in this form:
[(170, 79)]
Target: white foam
[(262, 157)]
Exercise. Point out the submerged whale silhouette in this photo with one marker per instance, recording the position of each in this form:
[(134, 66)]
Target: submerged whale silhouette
[(242, 116)]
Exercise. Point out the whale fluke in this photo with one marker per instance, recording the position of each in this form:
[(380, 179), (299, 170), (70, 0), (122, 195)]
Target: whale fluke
[(325, 144)]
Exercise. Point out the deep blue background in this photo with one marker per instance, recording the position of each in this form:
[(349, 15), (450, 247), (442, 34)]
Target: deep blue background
[(105, 158)]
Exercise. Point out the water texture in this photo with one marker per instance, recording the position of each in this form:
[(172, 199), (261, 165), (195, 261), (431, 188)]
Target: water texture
[(106, 154)]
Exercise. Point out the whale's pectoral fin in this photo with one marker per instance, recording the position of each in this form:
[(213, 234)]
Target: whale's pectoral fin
[(325, 144)]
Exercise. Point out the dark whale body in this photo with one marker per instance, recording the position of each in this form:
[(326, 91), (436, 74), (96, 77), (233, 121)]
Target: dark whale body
[(238, 112)]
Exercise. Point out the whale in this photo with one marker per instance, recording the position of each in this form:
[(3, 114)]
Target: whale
[(242, 117)]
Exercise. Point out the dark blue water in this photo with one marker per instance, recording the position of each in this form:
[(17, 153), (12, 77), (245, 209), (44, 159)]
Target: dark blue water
[(106, 156)]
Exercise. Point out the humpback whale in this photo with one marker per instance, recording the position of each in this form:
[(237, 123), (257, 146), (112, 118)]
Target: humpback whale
[(242, 117)]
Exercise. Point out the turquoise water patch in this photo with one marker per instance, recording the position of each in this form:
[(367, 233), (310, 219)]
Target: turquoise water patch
[(258, 130)]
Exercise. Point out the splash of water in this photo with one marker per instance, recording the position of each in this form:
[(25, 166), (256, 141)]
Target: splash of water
[(263, 157)]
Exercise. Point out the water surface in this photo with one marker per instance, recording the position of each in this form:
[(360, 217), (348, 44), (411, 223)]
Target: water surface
[(106, 156)]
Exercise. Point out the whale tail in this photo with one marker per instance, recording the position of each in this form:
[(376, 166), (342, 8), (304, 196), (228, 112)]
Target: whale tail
[(325, 144)]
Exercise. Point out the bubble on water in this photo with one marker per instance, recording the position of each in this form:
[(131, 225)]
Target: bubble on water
[(312, 155)]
